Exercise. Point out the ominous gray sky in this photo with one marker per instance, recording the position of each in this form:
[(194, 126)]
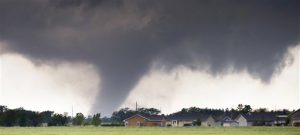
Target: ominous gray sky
[(123, 39)]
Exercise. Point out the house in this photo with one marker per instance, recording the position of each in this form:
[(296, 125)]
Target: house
[(294, 118), (255, 119), (229, 122), (140, 120), (281, 120), (189, 119), (261, 119), (227, 119), (242, 121)]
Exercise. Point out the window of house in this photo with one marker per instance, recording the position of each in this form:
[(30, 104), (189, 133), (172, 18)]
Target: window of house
[(174, 122)]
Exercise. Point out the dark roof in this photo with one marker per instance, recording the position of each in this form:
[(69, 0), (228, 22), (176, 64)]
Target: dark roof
[(149, 117), (153, 117), (227, 118), (295, 114), (261, 116), (231, 115), (187, 116)]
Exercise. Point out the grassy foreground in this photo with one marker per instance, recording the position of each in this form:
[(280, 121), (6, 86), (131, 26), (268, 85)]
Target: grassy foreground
[(148, 131)]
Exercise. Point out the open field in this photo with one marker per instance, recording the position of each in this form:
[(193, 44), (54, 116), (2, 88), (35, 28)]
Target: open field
[(148, 131)]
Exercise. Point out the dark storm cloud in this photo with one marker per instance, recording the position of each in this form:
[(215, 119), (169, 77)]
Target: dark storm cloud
[(123, 38)]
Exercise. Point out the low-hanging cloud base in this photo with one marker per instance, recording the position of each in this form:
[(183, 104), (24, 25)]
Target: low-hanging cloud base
[(183, 87)]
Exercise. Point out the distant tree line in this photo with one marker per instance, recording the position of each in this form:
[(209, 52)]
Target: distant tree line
[(27, 118)]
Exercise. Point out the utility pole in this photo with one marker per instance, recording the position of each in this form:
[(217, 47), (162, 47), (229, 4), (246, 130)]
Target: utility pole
[(136, 109)]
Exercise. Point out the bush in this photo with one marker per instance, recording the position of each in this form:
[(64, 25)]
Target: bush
[(197, 122)]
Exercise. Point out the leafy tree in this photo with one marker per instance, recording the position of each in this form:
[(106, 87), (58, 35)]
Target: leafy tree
[(261, 110), (120, 115), (205, 111), (150, 111), (240, 107), (285, 111), (79, 119), (23, 119), (46, 116), (36, 119), (247, 109), (96, 119), (184, 110), (194, 109), (197, 122), (10, 118), (3, 108), (58, 120)]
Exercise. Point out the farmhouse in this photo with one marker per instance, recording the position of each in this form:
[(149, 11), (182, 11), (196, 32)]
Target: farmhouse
[(294, 118), (140, 120), (189, 119)]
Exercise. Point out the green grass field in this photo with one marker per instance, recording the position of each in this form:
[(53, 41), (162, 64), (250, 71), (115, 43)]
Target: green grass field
[(148, 131)]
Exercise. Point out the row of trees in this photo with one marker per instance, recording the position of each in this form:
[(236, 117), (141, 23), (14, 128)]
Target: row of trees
[(80, 120), (240, 109), (25, 118), (22, 117)]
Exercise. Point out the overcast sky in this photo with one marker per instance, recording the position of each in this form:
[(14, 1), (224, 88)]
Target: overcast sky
[(100, 55)]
